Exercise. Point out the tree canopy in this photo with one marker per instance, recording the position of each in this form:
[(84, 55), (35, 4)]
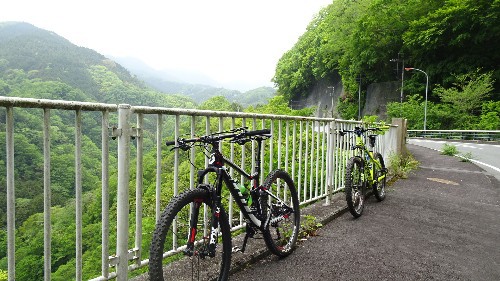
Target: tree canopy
[(444, 37)]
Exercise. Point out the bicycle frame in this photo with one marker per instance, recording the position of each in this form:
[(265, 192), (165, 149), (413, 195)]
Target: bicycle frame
[(360, 144), (217, 165), (219, 168)]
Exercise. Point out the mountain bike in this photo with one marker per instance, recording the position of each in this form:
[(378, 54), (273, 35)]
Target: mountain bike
[(203, 246), (365, 169)]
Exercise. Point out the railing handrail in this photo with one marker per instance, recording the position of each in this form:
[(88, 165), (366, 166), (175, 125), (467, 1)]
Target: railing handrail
[(55, 104), (457, 131)]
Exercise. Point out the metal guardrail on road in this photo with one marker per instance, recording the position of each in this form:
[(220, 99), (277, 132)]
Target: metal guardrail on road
[(477, 135)]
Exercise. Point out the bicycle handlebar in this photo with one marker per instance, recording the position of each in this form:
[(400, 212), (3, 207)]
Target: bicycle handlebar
[(359, 130), (263, 132), (236, 134)]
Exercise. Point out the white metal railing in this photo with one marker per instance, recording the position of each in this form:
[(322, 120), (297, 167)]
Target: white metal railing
[(303, 146)]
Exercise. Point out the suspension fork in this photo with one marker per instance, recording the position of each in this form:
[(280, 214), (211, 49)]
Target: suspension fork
[(193, 226), (214, 200), (216, 211)]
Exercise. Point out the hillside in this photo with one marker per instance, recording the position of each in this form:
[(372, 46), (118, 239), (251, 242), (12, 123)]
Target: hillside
[(48, 56), (453, 42), (173, 81), (35, 63)]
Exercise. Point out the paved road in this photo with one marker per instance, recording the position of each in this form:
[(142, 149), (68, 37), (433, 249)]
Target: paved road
[(485, 155), (442, 223)]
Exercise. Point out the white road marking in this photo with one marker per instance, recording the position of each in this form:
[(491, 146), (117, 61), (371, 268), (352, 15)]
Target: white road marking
[(472, 160), (484, 164)]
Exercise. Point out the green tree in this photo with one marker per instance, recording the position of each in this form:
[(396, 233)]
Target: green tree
[(278, 105), (218, 103), (466, 96), (490, 116)]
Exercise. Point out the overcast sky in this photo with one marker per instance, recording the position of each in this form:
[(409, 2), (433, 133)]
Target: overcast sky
[(229, 40)]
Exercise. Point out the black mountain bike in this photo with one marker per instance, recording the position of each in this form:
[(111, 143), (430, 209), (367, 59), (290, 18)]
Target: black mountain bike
[(197, 222), (364, 169)]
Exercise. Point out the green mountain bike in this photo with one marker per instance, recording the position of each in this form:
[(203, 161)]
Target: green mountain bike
[(364, 170)]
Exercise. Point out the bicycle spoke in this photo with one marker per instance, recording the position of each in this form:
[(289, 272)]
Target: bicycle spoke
[(192, 261), (283, 220)]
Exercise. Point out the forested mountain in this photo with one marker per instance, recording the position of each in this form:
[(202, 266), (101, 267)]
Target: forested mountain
[(173, 81), (454, 41), (36, 63), (44, 55), (28, 53)]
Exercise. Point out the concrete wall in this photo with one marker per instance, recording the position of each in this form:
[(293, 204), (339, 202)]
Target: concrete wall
[(328, 91), (377, 97), (323, 95)]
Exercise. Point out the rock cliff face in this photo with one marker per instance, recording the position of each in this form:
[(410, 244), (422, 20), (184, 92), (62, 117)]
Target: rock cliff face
[(377, 97), (326, 93)]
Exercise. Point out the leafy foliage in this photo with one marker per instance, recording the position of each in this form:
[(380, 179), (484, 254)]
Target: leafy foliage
[(353, 38), (490, 116), (402, 165), (450, 150), (278, 105), (463, 106)]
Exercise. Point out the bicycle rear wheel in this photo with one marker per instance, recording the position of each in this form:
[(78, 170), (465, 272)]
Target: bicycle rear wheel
[(354, 186), (172, 232), (280, 206), (379, 186)]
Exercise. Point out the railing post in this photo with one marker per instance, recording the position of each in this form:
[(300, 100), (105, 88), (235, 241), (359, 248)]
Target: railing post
[(11, 203), (105, 193), (122, 224), (78, 195), (329, 163), (47, 196)]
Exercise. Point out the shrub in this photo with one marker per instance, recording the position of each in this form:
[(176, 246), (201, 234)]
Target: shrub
[(401, 165), (449, 149)]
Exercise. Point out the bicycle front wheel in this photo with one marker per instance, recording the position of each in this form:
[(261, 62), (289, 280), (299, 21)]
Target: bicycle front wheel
[(173, 230), (280, 206), (354, 186), (379, 185)]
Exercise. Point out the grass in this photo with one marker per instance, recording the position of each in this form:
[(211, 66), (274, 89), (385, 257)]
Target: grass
[(401, 166), (309, 226), (466, 157), (450, 150)]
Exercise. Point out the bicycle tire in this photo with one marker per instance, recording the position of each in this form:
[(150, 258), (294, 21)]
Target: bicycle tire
[(282, 223), (379, 187), (355, 186), (183, 268)]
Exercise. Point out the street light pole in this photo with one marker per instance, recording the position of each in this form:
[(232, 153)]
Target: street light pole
[(359, 98), (332, 95), (402, 72), (402, 80), (426, 89)]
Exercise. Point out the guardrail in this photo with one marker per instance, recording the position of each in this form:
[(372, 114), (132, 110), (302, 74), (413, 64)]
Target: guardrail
[(477, 135), (303, 146)]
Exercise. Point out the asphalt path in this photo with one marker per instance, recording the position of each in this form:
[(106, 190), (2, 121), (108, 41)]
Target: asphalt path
[(442, 223), (487, 156)]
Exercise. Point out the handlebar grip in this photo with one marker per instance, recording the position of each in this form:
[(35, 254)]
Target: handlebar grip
[(258, 132), (170, 142)]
